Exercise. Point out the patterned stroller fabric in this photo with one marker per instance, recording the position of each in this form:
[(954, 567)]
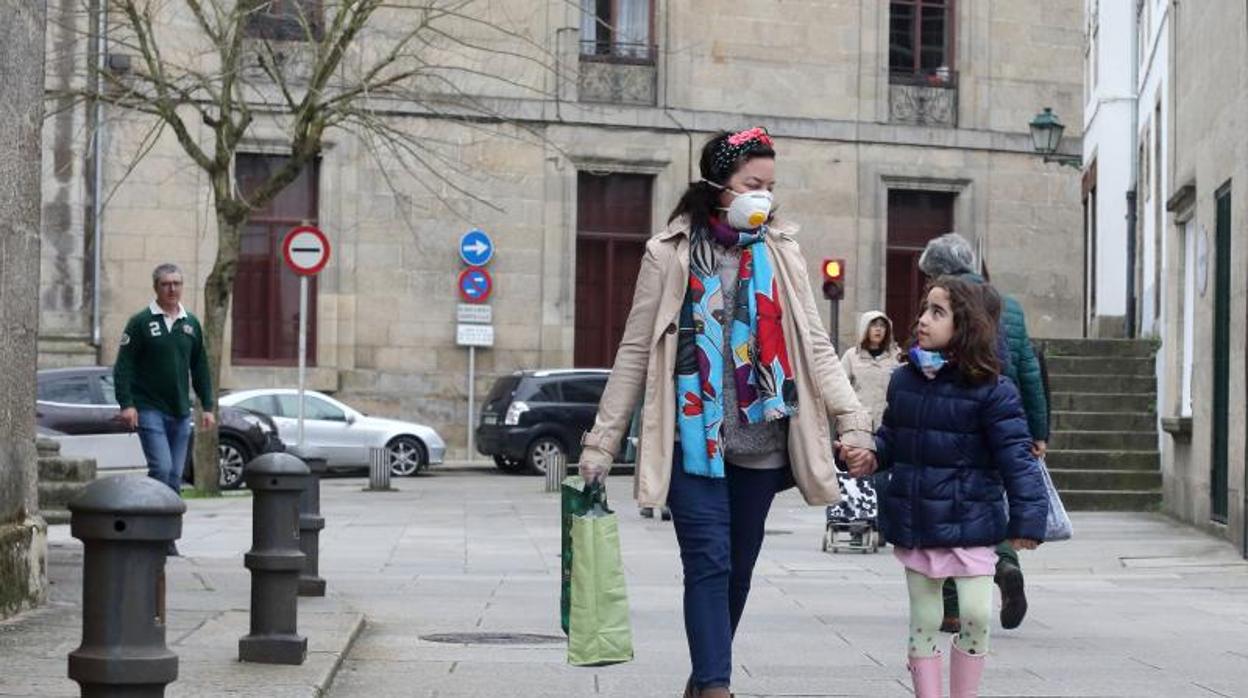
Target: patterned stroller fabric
[(858, 500)]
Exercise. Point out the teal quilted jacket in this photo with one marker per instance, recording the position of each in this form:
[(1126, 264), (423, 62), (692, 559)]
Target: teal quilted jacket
[(1022, 366)]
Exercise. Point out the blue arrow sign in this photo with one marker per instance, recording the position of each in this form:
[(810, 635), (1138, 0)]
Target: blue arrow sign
[(476, 248)]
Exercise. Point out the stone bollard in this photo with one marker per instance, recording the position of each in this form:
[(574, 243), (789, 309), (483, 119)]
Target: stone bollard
[(310, 521), (378, 470), (275, 560), (125, 523)]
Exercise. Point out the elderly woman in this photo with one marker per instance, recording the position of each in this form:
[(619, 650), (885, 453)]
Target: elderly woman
[(952, 255), (725, 342)]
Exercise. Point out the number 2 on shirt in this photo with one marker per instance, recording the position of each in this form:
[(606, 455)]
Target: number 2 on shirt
[(154, 328)]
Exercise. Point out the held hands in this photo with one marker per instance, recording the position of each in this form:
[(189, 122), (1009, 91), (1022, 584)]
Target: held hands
[(1024, 544), (860, 461)]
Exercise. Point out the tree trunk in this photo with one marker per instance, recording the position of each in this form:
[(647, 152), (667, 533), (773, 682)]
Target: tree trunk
[(217, 291)]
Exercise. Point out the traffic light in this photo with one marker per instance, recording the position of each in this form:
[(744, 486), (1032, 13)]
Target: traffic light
[(834, 279)]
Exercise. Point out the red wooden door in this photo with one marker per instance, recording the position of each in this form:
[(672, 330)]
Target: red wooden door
[(914, 218), (613, 224), (265, 311)]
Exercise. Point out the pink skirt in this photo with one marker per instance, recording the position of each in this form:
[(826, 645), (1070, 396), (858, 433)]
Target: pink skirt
[(941, 563)]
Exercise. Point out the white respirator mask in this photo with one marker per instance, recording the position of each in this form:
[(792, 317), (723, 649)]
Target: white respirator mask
[(749, 209)]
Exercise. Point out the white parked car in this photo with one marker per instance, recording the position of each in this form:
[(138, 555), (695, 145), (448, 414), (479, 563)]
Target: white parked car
[(344, 434)]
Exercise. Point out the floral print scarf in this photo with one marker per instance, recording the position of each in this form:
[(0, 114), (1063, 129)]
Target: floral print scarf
[(764, 376)]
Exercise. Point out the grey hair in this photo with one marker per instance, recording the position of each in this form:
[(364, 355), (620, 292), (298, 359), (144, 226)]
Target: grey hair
[(948, 254), (162, 270)]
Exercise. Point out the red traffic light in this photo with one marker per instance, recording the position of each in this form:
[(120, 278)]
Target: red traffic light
[(834, 279), (833, 270)]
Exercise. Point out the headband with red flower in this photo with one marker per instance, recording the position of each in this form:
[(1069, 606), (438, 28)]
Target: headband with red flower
[(733, 147)]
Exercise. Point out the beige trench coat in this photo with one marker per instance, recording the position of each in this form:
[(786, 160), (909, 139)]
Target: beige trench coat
[(646, 360)]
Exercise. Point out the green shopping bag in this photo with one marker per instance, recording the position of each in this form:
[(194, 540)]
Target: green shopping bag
[(576, 499), (598, 627)]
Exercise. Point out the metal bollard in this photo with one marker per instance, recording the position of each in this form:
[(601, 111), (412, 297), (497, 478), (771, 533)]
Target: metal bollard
[(125, 523), (311, 522), (275, 560), (379, 470), (556, 471)]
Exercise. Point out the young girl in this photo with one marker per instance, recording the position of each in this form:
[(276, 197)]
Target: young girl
[(959, 477)]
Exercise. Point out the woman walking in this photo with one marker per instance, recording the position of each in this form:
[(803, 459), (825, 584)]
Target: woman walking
[(725, 342), (959, 478)]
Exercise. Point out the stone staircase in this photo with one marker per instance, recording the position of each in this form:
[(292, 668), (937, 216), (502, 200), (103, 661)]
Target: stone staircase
[(60, 480), (1103, 449)]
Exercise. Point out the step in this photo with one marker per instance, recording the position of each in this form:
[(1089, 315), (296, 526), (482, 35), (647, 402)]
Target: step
[(1117, 480), (1110, 348), (1102, 421), (55, 516), (58, 469), (1098, 500), (1091, 365), (1103, 402), (1103, 460), (46, 446), (1104, 440), (56, 495), (1103, 383)]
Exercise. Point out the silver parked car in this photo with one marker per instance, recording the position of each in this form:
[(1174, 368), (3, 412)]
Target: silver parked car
[(344, 434)]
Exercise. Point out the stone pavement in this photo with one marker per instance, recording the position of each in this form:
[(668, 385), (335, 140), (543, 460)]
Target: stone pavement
[(207, 604), (1137, 605)]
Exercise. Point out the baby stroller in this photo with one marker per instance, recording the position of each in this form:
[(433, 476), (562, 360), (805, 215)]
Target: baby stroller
[(851, 522)]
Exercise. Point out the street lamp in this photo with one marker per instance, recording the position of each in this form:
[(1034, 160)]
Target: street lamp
[(1046, 136)]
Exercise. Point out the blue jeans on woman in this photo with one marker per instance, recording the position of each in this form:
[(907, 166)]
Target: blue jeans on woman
[(164, 438), (719, 527)]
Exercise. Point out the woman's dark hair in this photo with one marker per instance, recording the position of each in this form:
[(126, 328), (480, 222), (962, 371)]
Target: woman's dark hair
[(976, 312), (888, 335), (701, 199)]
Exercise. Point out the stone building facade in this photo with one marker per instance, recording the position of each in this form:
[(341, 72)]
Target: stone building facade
[(894, 121), (1205, 287)]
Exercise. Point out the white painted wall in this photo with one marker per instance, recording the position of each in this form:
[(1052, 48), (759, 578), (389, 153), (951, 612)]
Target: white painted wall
[(1108, 124)]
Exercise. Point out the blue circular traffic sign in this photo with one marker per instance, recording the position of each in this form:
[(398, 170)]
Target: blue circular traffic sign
[(475, 285), (476, 248)]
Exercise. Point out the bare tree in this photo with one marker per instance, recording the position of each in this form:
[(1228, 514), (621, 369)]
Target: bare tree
[(309, 66)]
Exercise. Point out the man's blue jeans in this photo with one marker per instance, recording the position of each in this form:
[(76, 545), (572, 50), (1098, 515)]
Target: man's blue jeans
[(164, 438), (719, 527)]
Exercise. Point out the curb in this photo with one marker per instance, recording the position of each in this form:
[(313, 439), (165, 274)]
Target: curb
[(321, 689)]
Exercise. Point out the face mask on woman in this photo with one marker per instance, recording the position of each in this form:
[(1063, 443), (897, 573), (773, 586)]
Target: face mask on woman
[(749, 209)]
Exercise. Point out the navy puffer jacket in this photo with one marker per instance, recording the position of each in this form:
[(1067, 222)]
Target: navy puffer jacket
[(949, 453)]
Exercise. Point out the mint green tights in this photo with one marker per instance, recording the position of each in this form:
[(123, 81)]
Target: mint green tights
[(927, 610)]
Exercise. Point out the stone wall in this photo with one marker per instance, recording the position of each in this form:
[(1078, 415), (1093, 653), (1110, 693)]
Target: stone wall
[(23, 535), (1210, 91), (817, 79)]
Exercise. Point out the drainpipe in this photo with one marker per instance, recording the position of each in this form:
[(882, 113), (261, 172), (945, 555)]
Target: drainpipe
[(97, 174), (1132, 216)]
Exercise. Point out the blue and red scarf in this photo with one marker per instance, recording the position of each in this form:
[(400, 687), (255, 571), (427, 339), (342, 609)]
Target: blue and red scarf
[(764, 376)]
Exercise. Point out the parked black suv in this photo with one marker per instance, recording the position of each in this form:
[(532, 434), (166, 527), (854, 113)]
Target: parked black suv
[(533, 416)]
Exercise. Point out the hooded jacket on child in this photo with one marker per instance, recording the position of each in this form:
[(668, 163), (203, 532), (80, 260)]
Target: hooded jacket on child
[(869, 374)]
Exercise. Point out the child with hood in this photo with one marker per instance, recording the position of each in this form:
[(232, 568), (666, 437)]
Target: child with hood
[(871, 362)]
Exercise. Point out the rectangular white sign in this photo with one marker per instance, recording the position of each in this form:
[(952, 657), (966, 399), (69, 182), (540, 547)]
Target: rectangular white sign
[(476, 314), (474, 335)]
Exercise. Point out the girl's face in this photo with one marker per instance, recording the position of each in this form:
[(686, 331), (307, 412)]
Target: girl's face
[(755, 174), (936, 323), (876, 333)]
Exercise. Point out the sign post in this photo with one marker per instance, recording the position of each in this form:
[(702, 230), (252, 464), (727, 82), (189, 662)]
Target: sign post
[(306, 251), (474, 321)]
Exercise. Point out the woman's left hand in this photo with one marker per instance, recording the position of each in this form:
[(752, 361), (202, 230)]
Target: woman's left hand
[(859, 461), (1024, 544)]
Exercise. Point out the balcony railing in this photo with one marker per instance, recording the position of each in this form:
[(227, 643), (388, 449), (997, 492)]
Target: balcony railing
[(937, 77), (618, 52)]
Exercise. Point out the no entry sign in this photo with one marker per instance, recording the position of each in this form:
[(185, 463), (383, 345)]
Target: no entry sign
[(306, 250)]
